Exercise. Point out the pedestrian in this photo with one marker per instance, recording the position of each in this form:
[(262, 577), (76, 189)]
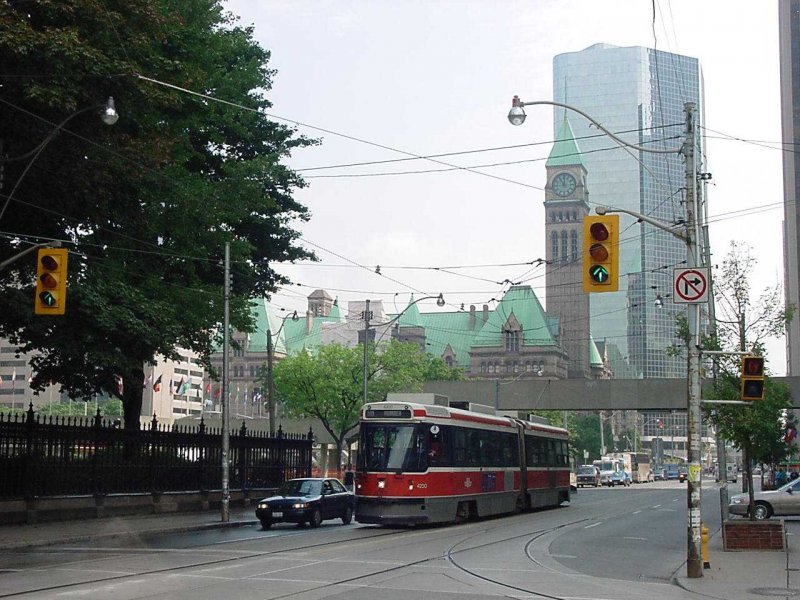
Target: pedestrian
[(794, 475), (780, 477)]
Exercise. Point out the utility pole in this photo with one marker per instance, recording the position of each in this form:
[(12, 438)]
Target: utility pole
[(226, 494), (367, 316), (694, 561), (270, 384)]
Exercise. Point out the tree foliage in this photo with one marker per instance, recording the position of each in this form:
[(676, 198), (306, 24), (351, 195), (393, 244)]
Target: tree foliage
[(757, 429), (146, 206), (328, 384)]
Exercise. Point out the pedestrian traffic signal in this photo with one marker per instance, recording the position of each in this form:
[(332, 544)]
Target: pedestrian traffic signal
[(51, 282), (601, 253), (752, 387)]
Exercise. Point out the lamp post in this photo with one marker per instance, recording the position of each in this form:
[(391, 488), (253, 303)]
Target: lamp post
[(109, 116), (368, 315), (691, 236), (270, 381)]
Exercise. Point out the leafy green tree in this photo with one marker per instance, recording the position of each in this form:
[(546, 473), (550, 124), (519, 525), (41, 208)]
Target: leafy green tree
[(329, 384), (146, 206), (756, 429)]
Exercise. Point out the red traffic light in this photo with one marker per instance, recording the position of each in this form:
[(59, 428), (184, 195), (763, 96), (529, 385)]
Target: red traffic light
[(753, 366), (599, 232)]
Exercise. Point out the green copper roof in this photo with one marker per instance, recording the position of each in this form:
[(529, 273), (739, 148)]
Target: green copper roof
[(565, 151), (594, 354), (411, 317), (521, 306)]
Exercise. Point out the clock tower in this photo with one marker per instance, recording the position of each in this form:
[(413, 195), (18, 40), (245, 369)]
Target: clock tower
[(566, 203)]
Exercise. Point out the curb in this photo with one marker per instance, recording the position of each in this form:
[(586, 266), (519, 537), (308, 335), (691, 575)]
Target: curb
[(20, 545)]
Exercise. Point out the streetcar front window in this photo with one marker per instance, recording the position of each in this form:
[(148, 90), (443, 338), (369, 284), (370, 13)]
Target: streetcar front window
[(393, 448)]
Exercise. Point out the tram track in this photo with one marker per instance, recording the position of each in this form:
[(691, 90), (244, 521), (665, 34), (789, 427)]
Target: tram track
[(468, 533)]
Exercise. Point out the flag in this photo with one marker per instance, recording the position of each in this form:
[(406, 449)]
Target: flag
[(1, 381), (171, 387), (30, 378), (147, 381), (218, 392), (157, 384), (208, 388), (120, 384), (179, 387), (13, 378), (187, 386)]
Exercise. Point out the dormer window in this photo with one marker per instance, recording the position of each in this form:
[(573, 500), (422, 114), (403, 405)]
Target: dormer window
[(512, 340)]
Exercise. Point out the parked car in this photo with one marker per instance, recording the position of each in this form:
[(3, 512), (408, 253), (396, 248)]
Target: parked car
[(309, 500), (659, 474), (785, 501), (672, 472), (588, 475), (621, 478)]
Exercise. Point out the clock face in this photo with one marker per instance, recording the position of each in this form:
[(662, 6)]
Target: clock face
[(563, 184)]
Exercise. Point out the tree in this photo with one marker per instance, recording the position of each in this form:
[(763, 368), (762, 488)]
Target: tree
[(328, 384), (147, 206), (757, 430)]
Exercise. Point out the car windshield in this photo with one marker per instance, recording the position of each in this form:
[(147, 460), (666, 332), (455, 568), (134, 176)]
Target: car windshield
[(300, 487), (585, 470)]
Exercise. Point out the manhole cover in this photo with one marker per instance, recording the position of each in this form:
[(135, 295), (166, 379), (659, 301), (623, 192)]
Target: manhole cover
[(770, 591)]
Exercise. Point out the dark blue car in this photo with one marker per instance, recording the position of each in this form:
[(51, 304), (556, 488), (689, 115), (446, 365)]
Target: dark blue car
[(308, 500)]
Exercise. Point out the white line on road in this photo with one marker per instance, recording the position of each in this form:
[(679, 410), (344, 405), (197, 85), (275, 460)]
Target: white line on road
[(641, 539), (657, 506), (636, 512), (592, 525)]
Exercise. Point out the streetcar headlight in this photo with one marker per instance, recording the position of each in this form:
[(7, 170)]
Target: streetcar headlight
[(381, 484)]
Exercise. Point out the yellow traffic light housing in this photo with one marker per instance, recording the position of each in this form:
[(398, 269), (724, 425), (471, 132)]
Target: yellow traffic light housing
[(752, 386), (601, 253), (51, 281)]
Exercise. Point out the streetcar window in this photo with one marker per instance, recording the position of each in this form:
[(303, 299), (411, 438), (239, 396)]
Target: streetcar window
[(394, 448)]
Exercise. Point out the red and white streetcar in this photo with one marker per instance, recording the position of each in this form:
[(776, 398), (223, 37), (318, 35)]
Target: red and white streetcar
[(426, 463)]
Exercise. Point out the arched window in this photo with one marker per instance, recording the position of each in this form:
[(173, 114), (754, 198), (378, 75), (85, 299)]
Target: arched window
[(564, 247), (554, 245), (512, 340), (573, 238), (448, 360)]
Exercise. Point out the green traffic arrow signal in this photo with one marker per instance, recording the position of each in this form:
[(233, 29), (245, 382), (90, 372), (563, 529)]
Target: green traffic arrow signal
[(47, 298), (598, 273)]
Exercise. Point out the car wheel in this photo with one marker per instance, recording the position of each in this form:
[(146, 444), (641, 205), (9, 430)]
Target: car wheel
[(762, 511), (266, 524), (316, 518), (347, 516)]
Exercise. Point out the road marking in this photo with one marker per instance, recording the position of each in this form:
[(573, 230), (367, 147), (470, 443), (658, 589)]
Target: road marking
[(592, 525), (636, 512), (641, 539), (657, 506), (562, 556)]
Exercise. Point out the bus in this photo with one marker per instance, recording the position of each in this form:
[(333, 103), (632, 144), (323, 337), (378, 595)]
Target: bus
[(427, 463)]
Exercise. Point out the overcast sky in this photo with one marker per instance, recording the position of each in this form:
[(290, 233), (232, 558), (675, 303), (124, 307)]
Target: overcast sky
[(385, 80)]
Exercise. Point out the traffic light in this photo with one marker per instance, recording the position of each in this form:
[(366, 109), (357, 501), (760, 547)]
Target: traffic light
[(601, 253), (752, 378), (51, 281)]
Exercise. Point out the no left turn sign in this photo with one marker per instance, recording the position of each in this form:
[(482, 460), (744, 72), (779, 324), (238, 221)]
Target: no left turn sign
[(690, 286)]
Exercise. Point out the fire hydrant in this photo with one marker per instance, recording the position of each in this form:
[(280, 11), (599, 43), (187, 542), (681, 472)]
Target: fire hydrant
[(704, 546)]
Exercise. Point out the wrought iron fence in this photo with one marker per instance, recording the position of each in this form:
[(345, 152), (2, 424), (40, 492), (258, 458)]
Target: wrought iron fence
[(60, 456)]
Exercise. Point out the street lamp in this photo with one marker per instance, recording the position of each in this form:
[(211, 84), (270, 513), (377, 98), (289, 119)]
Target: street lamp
[(367, 315), (270, 381), (691, 235), (109, 116)]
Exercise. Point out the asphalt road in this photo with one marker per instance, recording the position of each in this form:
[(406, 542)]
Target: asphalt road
[(618, 543)]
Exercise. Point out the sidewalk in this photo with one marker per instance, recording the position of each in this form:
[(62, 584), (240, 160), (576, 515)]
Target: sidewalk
[(67, 532), (748, 575)]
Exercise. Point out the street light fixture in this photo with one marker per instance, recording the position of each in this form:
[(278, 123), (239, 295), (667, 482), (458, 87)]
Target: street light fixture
[(109, 116), (694, 562), (270, 381)]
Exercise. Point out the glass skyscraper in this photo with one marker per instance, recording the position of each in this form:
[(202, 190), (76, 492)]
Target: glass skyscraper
[(639, 94)]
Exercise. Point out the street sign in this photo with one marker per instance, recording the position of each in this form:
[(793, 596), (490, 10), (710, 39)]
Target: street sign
[(690, 286)]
